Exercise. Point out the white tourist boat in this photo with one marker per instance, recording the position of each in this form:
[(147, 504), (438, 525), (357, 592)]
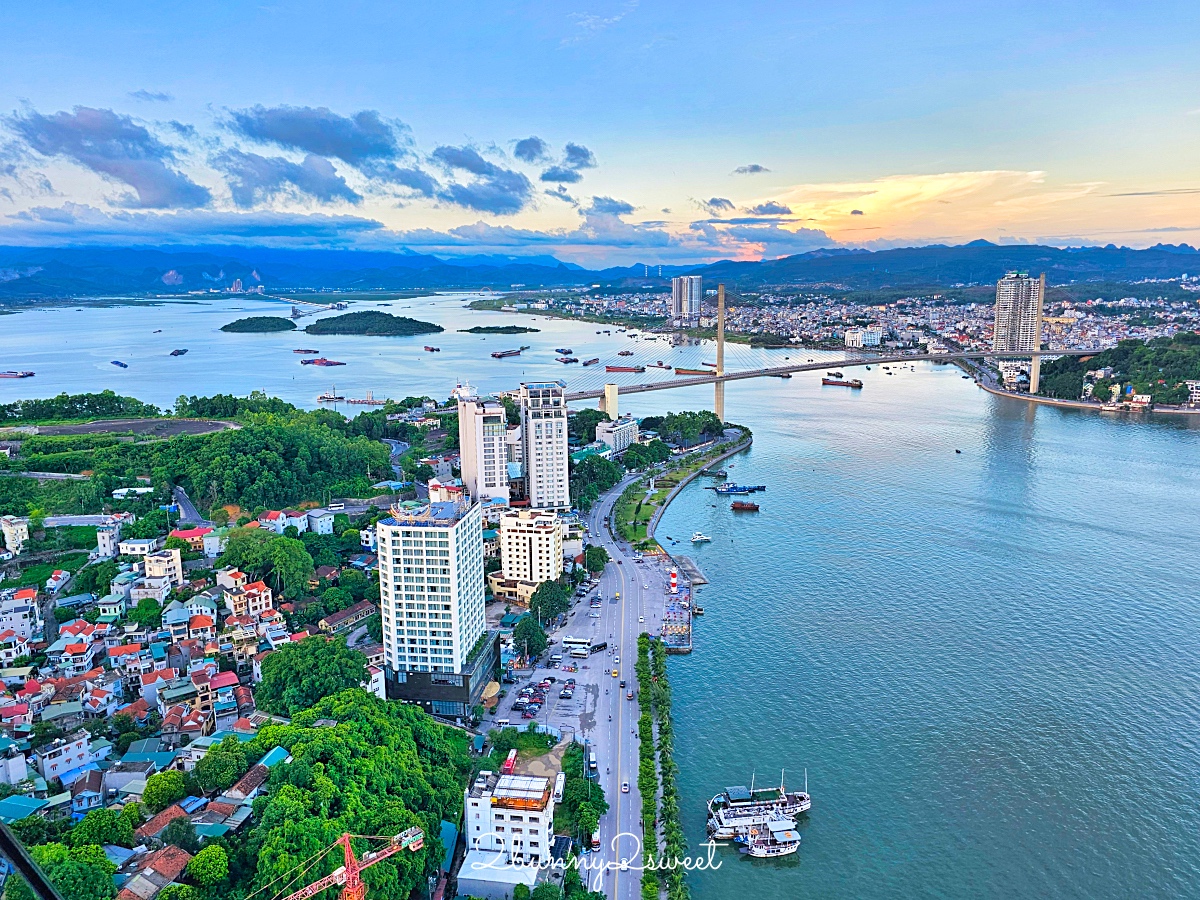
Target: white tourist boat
[(700, 538), (777, 837), (736, 810)]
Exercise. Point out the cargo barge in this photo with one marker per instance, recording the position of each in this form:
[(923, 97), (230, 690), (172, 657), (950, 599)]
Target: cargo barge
[(505, 354), (681, 371), (624, 368), (16, 374), (321, 361), (843, 382)]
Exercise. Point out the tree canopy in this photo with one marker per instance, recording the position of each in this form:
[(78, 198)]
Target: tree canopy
[(298, 675), (528, 636), (549, 600)]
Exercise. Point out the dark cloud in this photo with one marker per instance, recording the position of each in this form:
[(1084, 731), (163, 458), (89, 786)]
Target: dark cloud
[(579, 157), (609, 206), (770, 208), (562, 175), (717, 205), (152, 96), (253, 178), (353, 139), (561, 193), (115, 147), (495, 189), (417, 180), (752, 169), (856, 212), (532, 150)]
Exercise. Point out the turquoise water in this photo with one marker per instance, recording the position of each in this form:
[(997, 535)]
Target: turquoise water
[(989, 662)]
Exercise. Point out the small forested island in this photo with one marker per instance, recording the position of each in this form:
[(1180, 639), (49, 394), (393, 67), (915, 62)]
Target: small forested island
[(498, 329), (1160, 367), (260, 325), (372, 323)]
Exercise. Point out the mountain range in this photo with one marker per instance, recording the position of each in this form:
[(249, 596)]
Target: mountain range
[(89, 271)]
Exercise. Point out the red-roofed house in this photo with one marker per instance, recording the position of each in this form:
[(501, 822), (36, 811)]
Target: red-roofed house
[(181, 720), (126, 658), (154, 827), (151, 682), (201, 628), (249, 600), (15, 714), (12, 646), (57, 581), (194, 537), (273, 519), (155, 872)]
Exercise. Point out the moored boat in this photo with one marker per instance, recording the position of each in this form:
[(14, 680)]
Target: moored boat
[(567, 359), (311, 352), (504, 354), (735, 809), (624, 368), (119, 364), (429, 349), (775, 837), (730, 488), (321, 361), (330, 396), (179, 352), (565, 351), (743, 506), (16, 374), (681, 371), (700, 538), (625, 353), (592, 361)]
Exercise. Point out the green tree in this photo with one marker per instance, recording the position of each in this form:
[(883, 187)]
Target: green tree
[(132, 813), (102, 826), (583, 424), (547, 890), (178, 892), (163, 789), (298, 675), (528, 636), (79, 873), (246, 549), (587, 820), (549, 600), (210, 866), (222, 765), (520, 892), (219, 516), (177, 543), (182, 833), (147, 613), (291, 565), (594, 559)]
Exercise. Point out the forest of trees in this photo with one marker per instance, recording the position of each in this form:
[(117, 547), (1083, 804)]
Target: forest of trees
[(1159, 367)]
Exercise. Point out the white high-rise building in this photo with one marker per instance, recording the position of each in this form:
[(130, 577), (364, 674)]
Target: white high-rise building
[(531, 545), (482, 431), (687, 296), (1018, 322), (544, 431), (431, 586)]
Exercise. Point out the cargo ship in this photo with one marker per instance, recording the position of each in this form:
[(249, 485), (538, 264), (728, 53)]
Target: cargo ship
[(681, 371), (743, 506), (505, 354), (178, 352), (565, 351), (312, 352), (710, 365), (117, 362), (624, 368), (429, 349), (592, 361), (321, 361), (781, 374), (16, 374), (567, 359), (843, 382)]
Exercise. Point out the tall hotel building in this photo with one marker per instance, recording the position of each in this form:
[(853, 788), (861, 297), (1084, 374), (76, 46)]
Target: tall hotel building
[(482, 439), (687, 296), (1018, 323), (544, 432), (431, 598)]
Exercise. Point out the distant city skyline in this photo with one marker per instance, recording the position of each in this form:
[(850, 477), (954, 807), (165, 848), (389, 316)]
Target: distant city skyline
[(570, 130)]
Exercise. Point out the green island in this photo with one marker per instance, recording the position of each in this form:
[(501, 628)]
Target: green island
[(498, 329), (1160, 367), (372, 322), (260, 325)]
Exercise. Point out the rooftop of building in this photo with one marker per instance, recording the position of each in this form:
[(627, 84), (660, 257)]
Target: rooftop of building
[(440, 514)]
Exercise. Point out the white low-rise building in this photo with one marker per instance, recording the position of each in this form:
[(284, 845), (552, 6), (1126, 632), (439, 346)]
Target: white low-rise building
[(512, 814), (15, 531), (139, 546), (618, 435)]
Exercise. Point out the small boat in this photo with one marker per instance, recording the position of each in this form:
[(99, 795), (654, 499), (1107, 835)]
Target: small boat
[(730, 488), (781, 374), (868, 368), (624, 368), (16, 374), (625, 353), (179, 352), (710, 365), (312, 352), (429, 349), (118, 363), (592, 361), (697, 610), (743, 506), (658, 365), (505, 354), (715, 473), (330, 396), (321, 361), (699, 538), (834, 374), (776, 837), (567, 359), (842, 382), (565, 351)]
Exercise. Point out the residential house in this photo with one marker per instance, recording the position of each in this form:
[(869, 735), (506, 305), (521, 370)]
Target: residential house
[(87, 793), (122, 585), (223, 685), (19, 611), (63, 755), (180, 721), (274, 520), (108, 540), (13, 766), (156, 589), (202, 628), (12, 647), (14, 716), (193, 537), (155, 826), (229, 578), (16, 533), (155, 872), (57, 581), (165, 564), (250, 600), (320, 521), (152, 682), (345, 620), (215, 541), (295, 519), (139, 546), (111, 605), (126, 772)]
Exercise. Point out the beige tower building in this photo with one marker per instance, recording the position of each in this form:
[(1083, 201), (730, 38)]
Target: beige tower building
[(1018, 322)]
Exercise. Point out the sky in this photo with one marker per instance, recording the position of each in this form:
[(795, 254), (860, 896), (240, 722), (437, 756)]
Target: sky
[(603, 133)]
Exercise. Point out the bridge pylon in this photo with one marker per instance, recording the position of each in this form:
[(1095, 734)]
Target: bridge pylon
[(719, 387)]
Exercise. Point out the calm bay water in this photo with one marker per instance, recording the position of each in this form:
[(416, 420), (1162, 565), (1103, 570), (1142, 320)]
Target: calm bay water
[(987, 661)]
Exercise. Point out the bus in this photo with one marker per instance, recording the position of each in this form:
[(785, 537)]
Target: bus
[(559, 783), (579, 653), (570, 642), (596, 648), (510, 763)]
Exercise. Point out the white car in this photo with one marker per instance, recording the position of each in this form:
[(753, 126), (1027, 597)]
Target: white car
[(641, 618), (617, 660), (593, 615), (624, 787)]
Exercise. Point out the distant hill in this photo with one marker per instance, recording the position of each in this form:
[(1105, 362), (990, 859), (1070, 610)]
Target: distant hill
[(373, 323), (260, 325), (89, 271)]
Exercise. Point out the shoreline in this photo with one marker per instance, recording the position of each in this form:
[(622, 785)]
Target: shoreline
[(1080, 404), (743, 444)]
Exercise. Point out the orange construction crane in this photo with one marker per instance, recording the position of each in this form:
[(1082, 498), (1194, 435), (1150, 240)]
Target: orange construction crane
[(349, 875)]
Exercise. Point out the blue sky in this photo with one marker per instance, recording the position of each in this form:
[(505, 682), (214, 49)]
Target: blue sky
[(662, 132)]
